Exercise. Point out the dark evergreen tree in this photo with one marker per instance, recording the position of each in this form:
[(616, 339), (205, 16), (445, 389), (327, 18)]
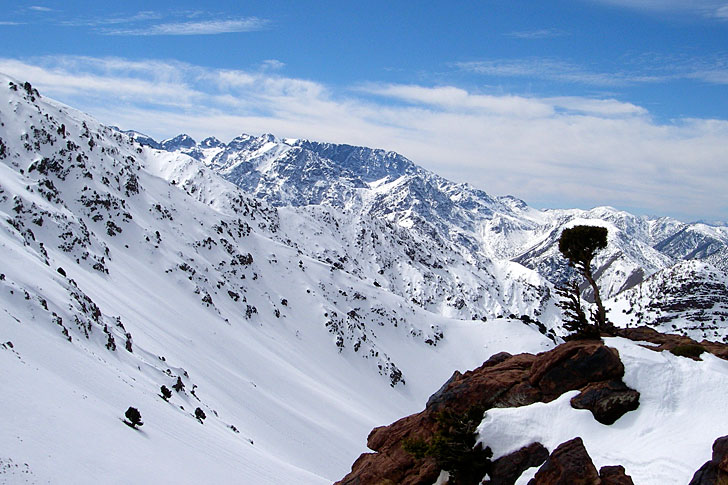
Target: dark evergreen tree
[(134, 417), (575, 320), (579, 244), (179, 386), (166, 393), (200, 414)]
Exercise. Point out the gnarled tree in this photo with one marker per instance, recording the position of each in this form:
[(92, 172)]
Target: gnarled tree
[(579, 244)]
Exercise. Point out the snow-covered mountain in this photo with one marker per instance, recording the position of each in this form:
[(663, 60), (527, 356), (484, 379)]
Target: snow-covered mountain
[(125, 269), (442, 225), (326, 290)]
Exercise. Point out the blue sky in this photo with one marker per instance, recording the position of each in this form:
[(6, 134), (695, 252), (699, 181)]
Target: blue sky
[(567, 103)]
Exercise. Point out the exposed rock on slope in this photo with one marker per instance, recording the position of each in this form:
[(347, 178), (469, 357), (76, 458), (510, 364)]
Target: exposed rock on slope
[(503, 381), (570, 464), (715, 471)]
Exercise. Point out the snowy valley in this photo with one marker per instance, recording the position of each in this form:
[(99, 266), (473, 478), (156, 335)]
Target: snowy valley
[(303, 293)]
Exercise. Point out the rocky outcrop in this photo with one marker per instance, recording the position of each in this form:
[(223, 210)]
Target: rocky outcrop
[(568, 464), (607, 400), (668, 341), (507, 469), (715, 471), (503, 381), (614, 475)]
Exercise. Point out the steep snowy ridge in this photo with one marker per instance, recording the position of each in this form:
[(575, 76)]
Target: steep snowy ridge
[(361, 187), (690, 297), (125, 269)]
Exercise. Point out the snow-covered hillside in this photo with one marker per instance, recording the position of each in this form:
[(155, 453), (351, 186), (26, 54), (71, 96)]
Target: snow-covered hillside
[(125, 269), (301, 292), (448, 247)]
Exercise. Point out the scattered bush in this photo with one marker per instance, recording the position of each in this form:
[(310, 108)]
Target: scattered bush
[(453, 447), (166, 393), (134, 417), (179, 386), (200, 414), (691, 351)]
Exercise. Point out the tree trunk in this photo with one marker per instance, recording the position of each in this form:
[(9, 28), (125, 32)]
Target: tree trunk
[(601, 315)]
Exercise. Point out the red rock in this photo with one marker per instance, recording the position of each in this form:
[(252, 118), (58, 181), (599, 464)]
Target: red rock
[(568, 464), (715, 471), (503, 381), (614, 475), (607, 400), (573, 365), (506, 469)]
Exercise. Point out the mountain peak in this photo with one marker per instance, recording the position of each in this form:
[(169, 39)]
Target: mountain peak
[(178, 142)]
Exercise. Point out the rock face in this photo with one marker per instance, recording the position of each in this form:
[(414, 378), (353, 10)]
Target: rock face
[(666, 341), (507, 469), (715, 471), (614, 475), (503, 381), (568, 464), (607, 400)]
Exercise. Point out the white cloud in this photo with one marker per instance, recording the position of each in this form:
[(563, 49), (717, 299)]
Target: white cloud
[(39, 8), (544, 68), (707, 8), (204, 27), (559, 151), (646, 69), (537, 34)]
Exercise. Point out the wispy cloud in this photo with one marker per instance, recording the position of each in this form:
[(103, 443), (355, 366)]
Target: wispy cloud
[(557, 151), (706, 8), (544, 68), (644, 70), (39, 8), (204, 27), (537, 34), (4, 22)]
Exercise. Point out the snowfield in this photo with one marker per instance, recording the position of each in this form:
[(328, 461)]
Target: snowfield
[(665, 441), (325, 297)]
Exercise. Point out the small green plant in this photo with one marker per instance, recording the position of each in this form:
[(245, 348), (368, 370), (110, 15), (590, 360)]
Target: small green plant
[(179, 386), (692, 351), (134, 417), (453, 447)]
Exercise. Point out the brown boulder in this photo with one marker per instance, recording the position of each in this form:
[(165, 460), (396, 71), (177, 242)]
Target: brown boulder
[(506, 469), (614, 475), (607, 400), (668, 341), (715, 471), (573, 365), (569, 464)]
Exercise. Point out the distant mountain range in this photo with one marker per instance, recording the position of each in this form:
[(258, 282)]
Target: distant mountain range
[(446, 230)]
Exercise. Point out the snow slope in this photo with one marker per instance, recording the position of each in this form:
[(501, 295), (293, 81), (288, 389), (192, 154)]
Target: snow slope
[(664, 441), (125, 269)]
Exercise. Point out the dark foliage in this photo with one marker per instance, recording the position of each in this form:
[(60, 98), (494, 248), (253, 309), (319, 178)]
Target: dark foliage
[(575, 320), (134, 417), (179, 386), (579, 244), (692, 351), (453, 447), (166, 393), (200, 414)]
